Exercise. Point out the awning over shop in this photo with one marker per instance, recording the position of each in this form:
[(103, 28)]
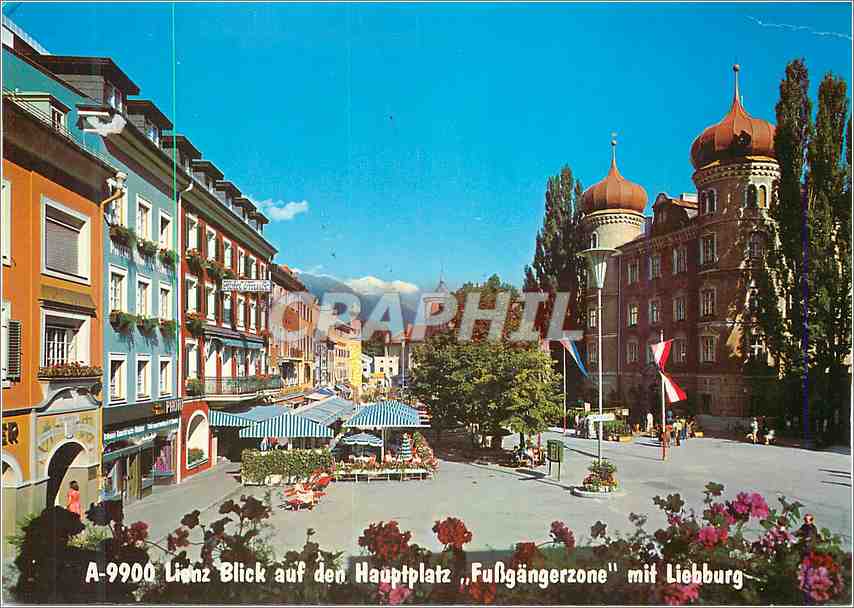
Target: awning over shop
[(328, 411), (238, 343), (244, 418), (224, 419), (321, 393), (386, 414), (286, 425)]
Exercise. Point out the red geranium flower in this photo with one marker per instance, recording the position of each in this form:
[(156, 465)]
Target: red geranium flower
[(452, 532)]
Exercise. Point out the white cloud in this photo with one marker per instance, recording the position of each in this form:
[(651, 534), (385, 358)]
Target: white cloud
[(280, 211), (373, 285)]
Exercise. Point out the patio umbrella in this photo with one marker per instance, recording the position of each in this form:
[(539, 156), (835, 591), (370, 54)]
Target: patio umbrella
[(406, 448), (384, 415), (286, 425), (363, 439)]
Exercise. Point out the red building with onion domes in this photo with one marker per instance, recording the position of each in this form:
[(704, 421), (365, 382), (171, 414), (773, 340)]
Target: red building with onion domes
[(685, 271)]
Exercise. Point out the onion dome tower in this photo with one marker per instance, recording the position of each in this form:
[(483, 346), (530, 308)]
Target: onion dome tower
[(613, 208), (734, 160)]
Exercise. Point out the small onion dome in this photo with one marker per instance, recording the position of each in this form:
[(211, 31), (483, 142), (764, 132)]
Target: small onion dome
[(614, 192), (737, 135)]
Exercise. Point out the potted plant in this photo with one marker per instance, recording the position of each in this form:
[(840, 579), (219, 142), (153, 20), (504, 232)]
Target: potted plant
[(121, 321), (122, 235), (168, 327), (195, 323), (195, 387), (146, 324), (216, 270), (195, 260), (147, 248), (168, 258), (70, 370)]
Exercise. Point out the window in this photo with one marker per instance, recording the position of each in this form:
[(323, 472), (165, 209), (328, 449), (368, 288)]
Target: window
[(226, 258), (6, 221), (654, 266), (165, 308), (165, 233), (591, 353), (143, 297), (226, 308), (66, 242), (755, 246), (763, 196), (594, 240), (707, 303), (751, 197), (143, 378), (241, 311), (680, 259), (679, 308), (165, 385), (708, 202), (251, 268), (118, 372), (707, 349), (191, 352), (113, 97), (631, 352), (143, 218), (252, 312), (680, 350), (192, 294), (241, 262), (210, 301), (192, 233), (633, 315), (756, 346), (650, 356), (591, 317), (118, 297), (633, 271), (60, 345), (152, 131), (654, 312), (211, 244), (708, 251)]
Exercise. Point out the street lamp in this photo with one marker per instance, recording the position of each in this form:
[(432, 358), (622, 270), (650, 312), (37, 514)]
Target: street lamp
[(597, 264)]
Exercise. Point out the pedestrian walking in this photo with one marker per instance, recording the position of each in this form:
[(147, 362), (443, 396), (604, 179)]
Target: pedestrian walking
[(754, 430), (683, 424), (649, 422), (72, 498)]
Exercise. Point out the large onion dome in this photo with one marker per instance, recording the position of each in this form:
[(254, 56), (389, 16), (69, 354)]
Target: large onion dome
[(614, 192), (737, 135)]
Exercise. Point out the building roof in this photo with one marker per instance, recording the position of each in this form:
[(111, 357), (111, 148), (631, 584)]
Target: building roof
[(148, 109), (182, 143), (737, 135), (227, 187), (94, 66), (207, 167), (614, 191)]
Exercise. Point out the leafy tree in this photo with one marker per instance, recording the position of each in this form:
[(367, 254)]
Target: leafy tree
[(805, 283)]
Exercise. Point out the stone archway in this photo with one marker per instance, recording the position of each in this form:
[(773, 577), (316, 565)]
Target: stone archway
[(198, 434), (68, 462)]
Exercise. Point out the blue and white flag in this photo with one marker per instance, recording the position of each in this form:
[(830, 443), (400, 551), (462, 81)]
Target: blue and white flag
[(569, 345)]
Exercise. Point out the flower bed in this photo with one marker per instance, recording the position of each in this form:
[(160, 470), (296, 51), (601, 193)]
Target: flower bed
[(70, 370), (602, 477)]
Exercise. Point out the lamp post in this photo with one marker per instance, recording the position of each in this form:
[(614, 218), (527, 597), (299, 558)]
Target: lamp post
[(597, 264)]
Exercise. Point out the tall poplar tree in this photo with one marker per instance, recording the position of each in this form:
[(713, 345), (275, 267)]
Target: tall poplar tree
[(805, 283)]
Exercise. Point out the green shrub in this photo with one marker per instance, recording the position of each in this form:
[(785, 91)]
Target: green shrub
[(290, 464)]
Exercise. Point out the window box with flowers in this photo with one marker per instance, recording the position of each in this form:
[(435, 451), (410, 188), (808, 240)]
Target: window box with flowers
[(195, 387), (122, 235), (168, 258), (216, 270), (122, 321), (147, 325), (168, 327), (147, 248), (71, 385), (195, 260), (71, 370), (195, 323)]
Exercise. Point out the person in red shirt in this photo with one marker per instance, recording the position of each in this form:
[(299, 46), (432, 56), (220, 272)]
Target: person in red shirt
[(72, 499)]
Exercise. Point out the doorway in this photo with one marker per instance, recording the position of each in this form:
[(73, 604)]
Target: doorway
[(62, 469)]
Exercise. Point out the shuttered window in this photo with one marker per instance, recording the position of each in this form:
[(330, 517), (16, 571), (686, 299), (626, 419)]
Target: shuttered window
[(62, 242), (10, 350), (6, 223)]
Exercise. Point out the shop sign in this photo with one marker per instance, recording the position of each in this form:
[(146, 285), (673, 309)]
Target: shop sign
[(263, 285), (167, 406), (139, 429)]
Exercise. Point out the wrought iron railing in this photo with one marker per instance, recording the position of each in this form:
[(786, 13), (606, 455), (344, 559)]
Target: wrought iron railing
[(241, 386)]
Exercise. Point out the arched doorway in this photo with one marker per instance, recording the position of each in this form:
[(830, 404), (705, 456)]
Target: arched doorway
[(67, 463), (198, 434)]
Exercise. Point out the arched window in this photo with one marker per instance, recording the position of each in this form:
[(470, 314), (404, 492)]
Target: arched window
[(704, 202), (711, 201), (594, 240), (763, 196), (751, 200)]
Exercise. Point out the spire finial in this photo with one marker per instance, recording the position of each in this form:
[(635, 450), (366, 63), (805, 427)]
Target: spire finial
[(613, 148), (736, 96)]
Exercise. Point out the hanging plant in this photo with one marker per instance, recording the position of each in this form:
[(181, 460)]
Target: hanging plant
[(146, 247), (168, 327), (70, 370), (228, 274), (195, 387), (168, 258), (216, 270), (195, 323), (122, 235), (122, 321), (147, 325), (195, 260)]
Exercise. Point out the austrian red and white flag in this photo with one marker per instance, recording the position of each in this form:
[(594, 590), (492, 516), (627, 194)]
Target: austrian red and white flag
[(660, 352), (672, 390)]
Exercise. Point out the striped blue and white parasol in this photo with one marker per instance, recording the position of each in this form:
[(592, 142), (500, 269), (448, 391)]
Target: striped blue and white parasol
[(406, 448)]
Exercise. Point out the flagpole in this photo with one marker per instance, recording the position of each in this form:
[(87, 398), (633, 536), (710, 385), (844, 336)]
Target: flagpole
[(663, 433), (563, 348)]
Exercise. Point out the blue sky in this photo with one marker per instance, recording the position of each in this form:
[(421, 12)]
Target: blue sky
[(421, 136)]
